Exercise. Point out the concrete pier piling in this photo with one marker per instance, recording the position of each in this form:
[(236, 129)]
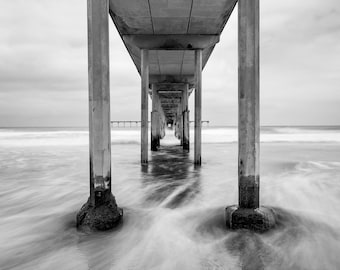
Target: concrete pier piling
[(185, 117), (179, 122), (144, 105), (155, 120), (198, 107), (180, 119), (248, 214), (100, 211)]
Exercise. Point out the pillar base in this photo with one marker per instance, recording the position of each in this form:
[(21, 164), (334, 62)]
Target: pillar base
[(260, 219), (154, 143), (104, 216), (186, 146)]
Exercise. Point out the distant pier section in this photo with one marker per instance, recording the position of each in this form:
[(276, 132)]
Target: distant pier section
[(134, 123), (126, 123)]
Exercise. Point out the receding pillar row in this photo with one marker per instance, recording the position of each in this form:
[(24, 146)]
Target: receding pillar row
[(198, 107), (155, 120), (101, 211), (185, 117), (144, 105), (247, 214)]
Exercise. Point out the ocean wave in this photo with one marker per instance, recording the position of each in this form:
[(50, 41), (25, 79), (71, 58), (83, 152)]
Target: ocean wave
[(132, 136), (311, 166)]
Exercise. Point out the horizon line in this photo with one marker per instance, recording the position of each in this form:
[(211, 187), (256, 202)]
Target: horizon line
[(210, 125)]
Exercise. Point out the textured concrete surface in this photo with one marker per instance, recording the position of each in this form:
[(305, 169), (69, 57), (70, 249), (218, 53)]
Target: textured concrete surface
[(100, 212), (144, 106), (248, 215), (103, 215), (171, 42), (156, 119), (260, 219), (248, 104), (99, 96), (198, 108), (185, 118), (155, 130), (249, 191)]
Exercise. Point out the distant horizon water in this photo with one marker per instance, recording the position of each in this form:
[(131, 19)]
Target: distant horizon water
[(204, 125), (37, 136)]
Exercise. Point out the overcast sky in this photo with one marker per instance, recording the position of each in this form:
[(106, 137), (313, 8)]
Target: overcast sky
[(43, 66)]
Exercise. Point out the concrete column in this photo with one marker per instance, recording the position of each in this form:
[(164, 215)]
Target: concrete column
[(177, 123), (198, 106), (101, 211), (144, 105), (248, 104), (248, 215), (162, 122), (185, 116), (155, 120), (180, 120)]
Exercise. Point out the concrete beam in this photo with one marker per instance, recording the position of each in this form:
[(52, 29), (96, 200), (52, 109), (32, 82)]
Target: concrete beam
[(171, 86), (172, 42), (172, 79), (174, 87), (101, 211), (170, 92)]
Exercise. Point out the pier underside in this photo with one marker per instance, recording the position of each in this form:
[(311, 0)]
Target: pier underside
[(172, 32)]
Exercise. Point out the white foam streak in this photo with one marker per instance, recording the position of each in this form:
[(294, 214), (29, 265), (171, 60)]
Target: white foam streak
[(27, 138)]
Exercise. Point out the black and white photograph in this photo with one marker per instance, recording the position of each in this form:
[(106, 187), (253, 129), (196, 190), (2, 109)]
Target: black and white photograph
[(169, 135)]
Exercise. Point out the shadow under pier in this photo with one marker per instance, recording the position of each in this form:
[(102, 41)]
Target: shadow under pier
[(170, 177)]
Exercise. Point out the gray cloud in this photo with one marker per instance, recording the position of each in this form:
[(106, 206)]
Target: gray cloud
[(43, 67)]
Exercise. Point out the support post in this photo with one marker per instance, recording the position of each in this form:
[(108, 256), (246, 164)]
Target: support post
[(101, 211), (155, 120), (248, 214), (198, 106), (180, 120), (144, 105), (162, 124), (185, 116)]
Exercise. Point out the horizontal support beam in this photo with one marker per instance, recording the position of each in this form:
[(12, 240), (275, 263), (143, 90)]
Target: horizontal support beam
[(179, 86), (172, 79), (173, 105), (172, 42), (169, 87), (170, 92)]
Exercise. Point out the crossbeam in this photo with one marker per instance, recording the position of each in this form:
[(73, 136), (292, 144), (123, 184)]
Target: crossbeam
[(172, 79), (172, 42)]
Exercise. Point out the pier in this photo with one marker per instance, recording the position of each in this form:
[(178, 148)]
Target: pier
[(170, 43), (126, 123), (134, 123)]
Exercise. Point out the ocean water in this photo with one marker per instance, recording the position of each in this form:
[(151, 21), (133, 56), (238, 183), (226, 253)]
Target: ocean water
[(173, 211)]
